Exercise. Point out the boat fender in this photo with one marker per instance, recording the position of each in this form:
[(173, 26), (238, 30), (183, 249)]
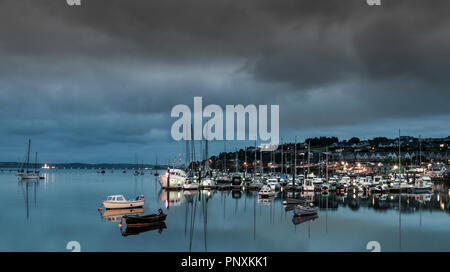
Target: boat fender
[(120, 226), (142, 196), (99, 209)]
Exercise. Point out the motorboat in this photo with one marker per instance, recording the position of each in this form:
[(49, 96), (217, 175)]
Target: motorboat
[(423, 185), (308, 185), (273, 184), (208, 183), (120, 202), (266, 192)]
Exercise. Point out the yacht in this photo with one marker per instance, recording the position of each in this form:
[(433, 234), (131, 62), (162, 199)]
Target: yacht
[(177, 178)]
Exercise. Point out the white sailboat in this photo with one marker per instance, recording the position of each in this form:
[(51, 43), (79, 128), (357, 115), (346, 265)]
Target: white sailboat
[(27, 174)]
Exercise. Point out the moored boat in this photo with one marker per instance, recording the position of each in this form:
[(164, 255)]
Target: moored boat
[(120, 202), (145, 220), (172, 178), (266, 192), (305, 210), (190, 185)]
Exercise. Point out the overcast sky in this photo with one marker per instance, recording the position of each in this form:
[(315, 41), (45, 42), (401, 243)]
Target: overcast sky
[(97, 83)]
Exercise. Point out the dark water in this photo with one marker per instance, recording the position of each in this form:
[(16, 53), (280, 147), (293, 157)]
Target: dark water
[(46, 215)]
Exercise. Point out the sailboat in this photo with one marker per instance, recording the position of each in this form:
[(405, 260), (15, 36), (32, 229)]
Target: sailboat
[(28, 175)]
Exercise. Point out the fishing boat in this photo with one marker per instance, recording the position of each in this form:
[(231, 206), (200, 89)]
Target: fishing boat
[(266, 192), (145, 220), (305, 210), (120, 202)]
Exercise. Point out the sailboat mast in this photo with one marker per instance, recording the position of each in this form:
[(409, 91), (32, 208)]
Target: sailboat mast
[(327, 162), (295, 163), (254, 171), (420, 151), (28, 153), (282, 157), (35, 163), (399, 156), (309, 153)]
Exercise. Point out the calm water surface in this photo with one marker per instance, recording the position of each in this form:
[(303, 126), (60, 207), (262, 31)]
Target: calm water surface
[(46, 215)]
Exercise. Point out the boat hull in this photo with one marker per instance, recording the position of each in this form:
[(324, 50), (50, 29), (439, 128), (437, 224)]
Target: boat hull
[(142, 221), (174, 181), (123, 205), (29, 177)]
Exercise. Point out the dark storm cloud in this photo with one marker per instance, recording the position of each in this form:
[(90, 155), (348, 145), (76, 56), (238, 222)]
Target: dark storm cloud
[(110, 70)]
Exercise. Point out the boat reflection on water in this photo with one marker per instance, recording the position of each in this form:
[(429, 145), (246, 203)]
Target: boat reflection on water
[(171, 198), (289, 207), (177, 198), (116, 215), (302, 219), (265, 201), (130, 230), (25, 186)]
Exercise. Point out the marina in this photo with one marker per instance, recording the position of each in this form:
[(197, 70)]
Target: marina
[(215, 219)]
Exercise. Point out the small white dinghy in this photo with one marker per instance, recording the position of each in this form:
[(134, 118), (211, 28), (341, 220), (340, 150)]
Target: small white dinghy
[(119, 202)]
